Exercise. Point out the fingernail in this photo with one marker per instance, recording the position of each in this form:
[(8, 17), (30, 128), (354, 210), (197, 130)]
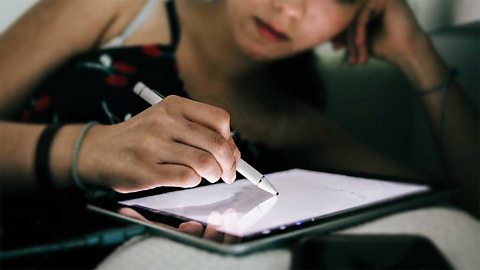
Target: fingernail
[(233, 178)]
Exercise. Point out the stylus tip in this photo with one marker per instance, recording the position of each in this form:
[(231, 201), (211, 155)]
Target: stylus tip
[(277, 194)]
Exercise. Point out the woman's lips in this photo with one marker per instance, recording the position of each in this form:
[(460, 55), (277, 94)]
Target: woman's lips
[(270, 33)]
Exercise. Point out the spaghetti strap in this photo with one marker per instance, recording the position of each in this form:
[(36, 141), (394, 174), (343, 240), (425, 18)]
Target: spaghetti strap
[(173, 23), (134, 24)]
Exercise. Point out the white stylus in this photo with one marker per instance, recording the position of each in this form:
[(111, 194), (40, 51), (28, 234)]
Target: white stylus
[(258, 179)]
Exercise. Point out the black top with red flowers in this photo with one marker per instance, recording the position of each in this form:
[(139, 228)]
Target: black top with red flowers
[(98, 85)]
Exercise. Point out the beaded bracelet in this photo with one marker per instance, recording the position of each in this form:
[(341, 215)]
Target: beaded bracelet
[(76, 151), (42, 156)]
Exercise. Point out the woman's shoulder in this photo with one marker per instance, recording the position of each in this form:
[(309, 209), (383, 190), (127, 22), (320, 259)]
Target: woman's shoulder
[(106, 19), (84, 10), (152, 27), (123, 12), (82, 22)]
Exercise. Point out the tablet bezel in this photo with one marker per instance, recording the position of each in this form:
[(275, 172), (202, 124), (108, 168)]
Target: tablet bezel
[(336, 221)]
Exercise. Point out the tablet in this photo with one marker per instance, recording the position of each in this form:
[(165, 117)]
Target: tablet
[(238, 218)]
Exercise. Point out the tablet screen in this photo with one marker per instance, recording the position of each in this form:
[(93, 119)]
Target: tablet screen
[(241, 209)]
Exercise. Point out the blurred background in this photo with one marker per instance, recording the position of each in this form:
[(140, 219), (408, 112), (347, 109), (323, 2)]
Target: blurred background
[(375, 101), (432, 14)]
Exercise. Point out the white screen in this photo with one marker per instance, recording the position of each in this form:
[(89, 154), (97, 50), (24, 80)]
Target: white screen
[(242, 209)]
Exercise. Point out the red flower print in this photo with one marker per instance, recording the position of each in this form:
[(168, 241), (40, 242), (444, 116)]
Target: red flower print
[(116, 80), (41, 104), (124, 67), (151, 50)]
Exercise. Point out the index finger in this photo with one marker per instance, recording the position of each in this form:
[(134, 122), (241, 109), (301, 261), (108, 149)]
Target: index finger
[(361, 23)]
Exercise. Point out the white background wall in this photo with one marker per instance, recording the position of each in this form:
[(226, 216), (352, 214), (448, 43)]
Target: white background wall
[(11, 9), (432, 14)]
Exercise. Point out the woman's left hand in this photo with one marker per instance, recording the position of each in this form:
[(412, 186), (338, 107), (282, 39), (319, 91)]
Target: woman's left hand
[(386, 29)]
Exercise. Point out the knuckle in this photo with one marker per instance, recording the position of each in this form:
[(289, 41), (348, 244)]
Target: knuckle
[(204, 161), (223, 150), (222, 121), (189, 178), (171, 98), (220, 144), (192, 126), (207, 166), (172, 102), (224, 117), (161, 112), (184, 175)]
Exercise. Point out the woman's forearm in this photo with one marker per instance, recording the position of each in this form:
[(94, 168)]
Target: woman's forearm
[(17, 146), (457, 132), (17, 155), (422, 65)]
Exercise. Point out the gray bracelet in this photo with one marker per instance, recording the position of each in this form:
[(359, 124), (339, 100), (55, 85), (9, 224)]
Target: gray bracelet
[(443, 88), (76, 150)]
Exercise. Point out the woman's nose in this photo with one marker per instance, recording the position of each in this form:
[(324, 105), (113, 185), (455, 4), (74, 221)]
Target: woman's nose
[(294, 9)]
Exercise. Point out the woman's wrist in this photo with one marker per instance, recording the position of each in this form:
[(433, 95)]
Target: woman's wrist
[(79, 182), (88, 162), (61, 157), (422, 65), (61, 153)]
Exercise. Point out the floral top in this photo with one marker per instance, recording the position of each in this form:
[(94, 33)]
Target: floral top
[(98, 85)]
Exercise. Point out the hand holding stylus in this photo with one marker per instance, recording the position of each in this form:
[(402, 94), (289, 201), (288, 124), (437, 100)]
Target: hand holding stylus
[(197, 136), (175, 143), (241, 166)]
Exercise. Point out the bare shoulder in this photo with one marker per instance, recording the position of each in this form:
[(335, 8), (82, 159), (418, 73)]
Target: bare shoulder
[(50, 32), (94, 20), (80, 23)]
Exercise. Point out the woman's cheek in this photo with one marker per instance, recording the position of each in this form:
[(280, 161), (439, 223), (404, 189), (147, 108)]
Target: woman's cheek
[(313, 36)]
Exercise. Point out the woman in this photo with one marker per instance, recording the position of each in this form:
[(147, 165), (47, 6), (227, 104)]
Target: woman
[(79, 60)]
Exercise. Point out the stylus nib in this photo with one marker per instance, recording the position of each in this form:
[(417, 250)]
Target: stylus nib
[(277, 194), (267, 186)]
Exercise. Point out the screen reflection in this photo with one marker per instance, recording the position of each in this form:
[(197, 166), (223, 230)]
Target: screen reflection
[(227, 224)]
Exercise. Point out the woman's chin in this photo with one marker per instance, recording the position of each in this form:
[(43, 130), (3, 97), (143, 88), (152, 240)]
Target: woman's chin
[(263, 54)]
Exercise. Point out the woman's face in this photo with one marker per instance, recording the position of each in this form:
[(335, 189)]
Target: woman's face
[(272, 29)]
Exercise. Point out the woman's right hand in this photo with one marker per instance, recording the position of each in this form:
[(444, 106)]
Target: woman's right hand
[(173, 143)]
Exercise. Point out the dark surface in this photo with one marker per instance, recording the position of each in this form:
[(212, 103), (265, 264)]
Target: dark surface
[(32, 220), (368, 252)]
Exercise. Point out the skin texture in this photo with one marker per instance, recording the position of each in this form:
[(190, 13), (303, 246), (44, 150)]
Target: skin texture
[(225, 67), (306, 23)]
